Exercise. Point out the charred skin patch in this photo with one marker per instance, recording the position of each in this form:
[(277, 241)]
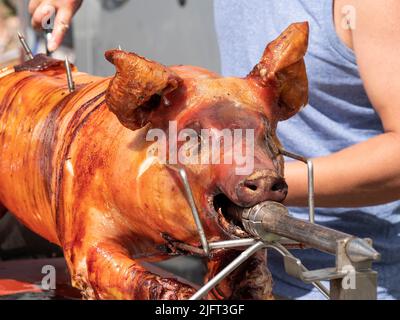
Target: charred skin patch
[(40, 62)]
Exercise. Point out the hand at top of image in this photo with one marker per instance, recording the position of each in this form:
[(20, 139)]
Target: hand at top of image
[(43, 10)]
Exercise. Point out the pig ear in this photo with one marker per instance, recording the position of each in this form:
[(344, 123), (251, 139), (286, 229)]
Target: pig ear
[(282, 67), (135, 91)]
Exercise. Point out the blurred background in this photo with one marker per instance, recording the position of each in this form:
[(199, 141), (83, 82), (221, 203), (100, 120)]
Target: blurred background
[(168, 31)]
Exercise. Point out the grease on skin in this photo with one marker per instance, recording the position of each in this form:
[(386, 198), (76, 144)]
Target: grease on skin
[(70, 167)]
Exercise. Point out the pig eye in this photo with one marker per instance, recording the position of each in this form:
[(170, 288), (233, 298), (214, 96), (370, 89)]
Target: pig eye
[(196, 126)]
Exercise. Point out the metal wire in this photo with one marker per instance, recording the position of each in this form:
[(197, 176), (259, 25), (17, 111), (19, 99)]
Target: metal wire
[(310, 177), (25, 46), (190, 198), (70, 80), (284, 252)]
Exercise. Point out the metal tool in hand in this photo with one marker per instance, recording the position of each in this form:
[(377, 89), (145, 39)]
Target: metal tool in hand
[(47, 37)]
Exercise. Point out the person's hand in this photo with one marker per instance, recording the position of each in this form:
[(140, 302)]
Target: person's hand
[(43, 10)]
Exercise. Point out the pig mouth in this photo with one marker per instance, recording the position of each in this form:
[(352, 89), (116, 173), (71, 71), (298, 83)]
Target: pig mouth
[(228, 215)]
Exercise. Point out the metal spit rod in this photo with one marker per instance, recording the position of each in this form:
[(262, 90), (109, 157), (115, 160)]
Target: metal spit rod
[(25, 46), (70, 80), (256, 246), (273, 218), (227, 270)]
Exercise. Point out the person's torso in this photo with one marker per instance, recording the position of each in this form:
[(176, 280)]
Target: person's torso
[(339, 113)]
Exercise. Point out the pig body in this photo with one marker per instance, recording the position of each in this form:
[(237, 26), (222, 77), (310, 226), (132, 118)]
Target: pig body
[(75, 167)]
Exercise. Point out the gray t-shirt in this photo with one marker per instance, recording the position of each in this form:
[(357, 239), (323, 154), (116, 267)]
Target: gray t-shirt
[(339, 114)]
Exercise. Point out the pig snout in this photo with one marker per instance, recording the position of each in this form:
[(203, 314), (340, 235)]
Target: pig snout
[(260, 186)]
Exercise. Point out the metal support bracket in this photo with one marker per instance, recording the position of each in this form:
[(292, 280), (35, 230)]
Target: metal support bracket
[(348, 280), (310, 176)]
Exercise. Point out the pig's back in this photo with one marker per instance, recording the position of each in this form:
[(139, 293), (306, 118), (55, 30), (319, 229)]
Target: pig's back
[(38, 120)]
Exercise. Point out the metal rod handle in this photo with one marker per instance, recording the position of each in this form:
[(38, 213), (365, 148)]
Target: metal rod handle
[(310, 178), (227, 270)]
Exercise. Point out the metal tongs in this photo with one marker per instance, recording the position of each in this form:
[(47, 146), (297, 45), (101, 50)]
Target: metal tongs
[(272, 227)]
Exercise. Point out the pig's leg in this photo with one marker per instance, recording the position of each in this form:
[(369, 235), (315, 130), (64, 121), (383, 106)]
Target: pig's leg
[(251, 280), (112, 274)]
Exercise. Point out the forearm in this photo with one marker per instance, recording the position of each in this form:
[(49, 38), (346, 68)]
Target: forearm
[(361, 175)]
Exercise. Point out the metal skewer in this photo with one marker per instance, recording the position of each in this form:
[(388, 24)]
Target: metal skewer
[(25, 46), (47, 36), (196, 216), (70, 80), (227, 270), (285, 253)]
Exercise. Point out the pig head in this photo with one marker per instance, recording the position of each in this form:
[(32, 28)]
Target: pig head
[(193, 102)]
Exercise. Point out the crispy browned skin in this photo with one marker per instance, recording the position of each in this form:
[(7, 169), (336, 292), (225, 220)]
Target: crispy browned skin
[(74, 166), (137, 80)]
